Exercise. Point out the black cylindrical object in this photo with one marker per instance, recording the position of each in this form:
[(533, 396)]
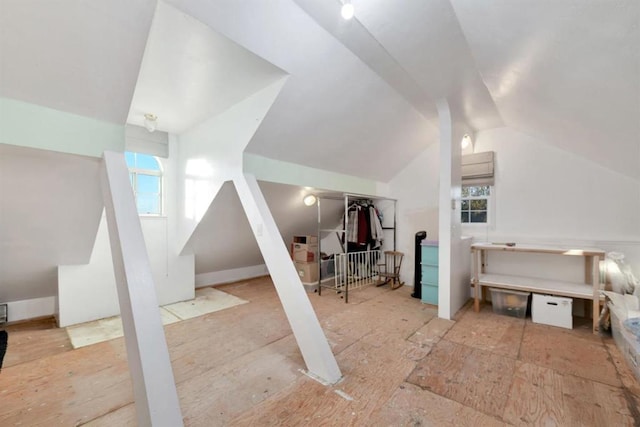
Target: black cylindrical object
[(417, 276)]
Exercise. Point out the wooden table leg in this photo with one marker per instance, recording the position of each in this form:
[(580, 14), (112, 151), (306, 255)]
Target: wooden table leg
[(476, 284), (595, 281)]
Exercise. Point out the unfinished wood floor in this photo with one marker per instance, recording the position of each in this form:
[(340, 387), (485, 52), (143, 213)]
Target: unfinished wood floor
[(401, 365)]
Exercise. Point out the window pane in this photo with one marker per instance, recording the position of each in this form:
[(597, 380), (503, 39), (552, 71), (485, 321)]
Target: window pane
[(478, 216), (465, 205), (472, 191), (482, 191), (465, 217), (148, 184), (148, 204), (479, 205), (130, 158), (145, 161)]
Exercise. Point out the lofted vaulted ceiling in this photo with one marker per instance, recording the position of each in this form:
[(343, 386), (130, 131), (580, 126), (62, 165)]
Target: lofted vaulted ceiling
[(360, 94)]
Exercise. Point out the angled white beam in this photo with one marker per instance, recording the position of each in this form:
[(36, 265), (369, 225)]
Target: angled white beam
[(154, 387), (305, 325), (211, 152)]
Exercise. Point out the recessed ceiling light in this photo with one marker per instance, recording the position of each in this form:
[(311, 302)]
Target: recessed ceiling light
[(347, 11), (309, 200)]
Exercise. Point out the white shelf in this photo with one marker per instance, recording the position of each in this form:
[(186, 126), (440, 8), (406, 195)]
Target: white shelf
[(541, 286), (588, 290), (543, 249)]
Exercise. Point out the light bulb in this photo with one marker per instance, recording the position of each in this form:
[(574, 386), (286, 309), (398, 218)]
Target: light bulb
[(466, 140), (309, 200), (150, 122), (347, 11)]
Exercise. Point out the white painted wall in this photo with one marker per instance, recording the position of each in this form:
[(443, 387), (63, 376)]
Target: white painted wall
[(31, 308), (50, 206), (230, 275), (88, 292), (416, 189), (547, 195), (574, 202)]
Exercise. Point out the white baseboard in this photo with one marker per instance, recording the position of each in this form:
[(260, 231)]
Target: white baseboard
[(228, 276), (31, 308)]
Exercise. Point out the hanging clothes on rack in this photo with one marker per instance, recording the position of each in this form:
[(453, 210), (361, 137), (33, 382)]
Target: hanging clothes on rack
[(363, 229), (377, 233), (352, 226)]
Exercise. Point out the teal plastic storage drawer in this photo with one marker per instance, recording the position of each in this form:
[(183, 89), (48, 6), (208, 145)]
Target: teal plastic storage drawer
[(429, 252), (429, 294), (430, 275)]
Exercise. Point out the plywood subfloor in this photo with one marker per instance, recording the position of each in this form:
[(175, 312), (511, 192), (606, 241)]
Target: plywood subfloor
[(207, 300), (401, 364), (34, 340)]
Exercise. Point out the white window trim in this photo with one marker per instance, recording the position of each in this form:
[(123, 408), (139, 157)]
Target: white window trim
[(490, 209), (151, 172)]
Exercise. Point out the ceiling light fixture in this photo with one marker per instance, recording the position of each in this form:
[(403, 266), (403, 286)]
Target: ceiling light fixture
[(150, 122), (347, 10), (466, 140), (309, 200)]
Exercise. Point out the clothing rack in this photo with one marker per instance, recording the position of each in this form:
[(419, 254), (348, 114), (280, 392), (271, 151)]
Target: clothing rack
[(351, 264)]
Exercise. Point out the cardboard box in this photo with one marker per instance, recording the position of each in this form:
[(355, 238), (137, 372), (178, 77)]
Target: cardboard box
[(308, 271), (308, 240), (304, 252), (551, 310)]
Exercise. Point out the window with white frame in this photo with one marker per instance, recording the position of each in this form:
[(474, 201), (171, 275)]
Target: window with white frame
[(475, 204), (145, 173)]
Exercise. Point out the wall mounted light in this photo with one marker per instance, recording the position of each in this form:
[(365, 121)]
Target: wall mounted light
[(150, 122), (347, 10), (309, 200), (466, 141)]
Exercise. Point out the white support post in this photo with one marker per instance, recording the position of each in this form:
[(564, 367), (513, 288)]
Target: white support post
[(445, 209), (154, 388), (305, 325)]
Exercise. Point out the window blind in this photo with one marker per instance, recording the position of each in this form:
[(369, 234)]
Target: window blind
[(139, 140), (477, 169)]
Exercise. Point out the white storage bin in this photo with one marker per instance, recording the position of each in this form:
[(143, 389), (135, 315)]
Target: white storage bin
[(551, 310)]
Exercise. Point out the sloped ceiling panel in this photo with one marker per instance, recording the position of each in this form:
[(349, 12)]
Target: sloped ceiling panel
[(426, 39), (418, 48), (334, 113), (191, 73), (77, 56), (566, 72)]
